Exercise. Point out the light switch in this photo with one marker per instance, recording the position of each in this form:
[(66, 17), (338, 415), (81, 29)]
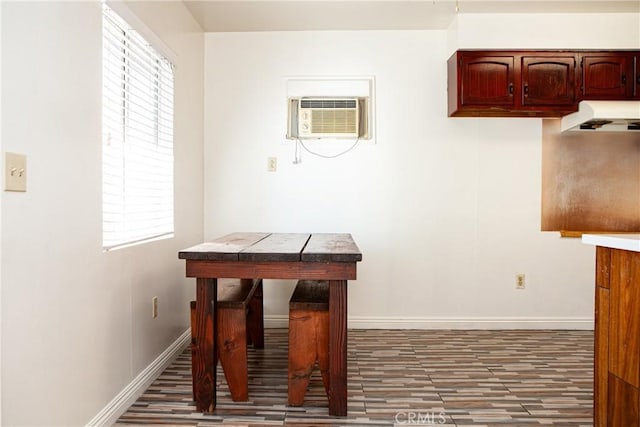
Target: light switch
[(15, 172)]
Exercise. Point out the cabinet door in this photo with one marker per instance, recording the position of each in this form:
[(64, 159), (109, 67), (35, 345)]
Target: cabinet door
[(624, 316), (487, 80), (548, 80), (606, 76), (623, 409)]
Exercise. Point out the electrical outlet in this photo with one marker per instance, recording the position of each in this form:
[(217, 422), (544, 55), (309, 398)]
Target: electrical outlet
[(15, 175), (272, 164), (520, 283), (154, 307)]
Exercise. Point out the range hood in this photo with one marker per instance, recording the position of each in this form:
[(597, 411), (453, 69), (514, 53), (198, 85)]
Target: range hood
[(613, 116)]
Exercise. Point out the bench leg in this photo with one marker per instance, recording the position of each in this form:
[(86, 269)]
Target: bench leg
[(232, 351), (255, 319), (308, 343), (322, 347)]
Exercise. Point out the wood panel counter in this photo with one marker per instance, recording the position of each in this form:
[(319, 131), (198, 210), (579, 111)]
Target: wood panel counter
[(616, 391)]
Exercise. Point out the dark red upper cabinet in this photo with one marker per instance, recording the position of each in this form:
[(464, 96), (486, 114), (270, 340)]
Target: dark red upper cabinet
[(487, 81), (501, 83), (607, 75), (549, 80), (538, 83), (481, 83)]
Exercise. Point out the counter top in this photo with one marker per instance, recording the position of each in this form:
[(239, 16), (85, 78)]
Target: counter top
[(627, 242)]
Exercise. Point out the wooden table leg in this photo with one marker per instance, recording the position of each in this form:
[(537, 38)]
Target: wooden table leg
[(203, 366), (338, 347)]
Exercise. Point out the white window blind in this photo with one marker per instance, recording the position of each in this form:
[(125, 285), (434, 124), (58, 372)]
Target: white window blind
[(137, 146)]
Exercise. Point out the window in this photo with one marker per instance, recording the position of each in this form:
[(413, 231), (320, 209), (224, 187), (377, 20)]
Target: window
[(137, 139)]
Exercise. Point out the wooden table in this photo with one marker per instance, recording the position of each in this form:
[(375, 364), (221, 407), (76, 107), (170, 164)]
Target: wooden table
[(317, 256)]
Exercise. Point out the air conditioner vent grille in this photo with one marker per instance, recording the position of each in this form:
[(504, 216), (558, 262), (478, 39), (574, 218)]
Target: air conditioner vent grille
[(328, 103), (334, 121)]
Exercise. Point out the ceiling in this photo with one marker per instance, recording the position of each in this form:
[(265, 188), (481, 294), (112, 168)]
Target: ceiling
[(302, 15)]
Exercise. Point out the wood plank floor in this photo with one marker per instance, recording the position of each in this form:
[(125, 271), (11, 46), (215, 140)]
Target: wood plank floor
[(403, 377)]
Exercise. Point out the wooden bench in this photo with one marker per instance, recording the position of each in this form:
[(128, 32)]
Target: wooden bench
[(239, 322), (308, 337)]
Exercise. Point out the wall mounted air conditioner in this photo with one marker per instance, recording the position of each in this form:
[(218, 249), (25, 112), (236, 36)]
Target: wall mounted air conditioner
[(327, 117)]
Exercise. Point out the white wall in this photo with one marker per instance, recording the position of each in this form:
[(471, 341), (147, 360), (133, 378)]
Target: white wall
[(446, 211), (1, 173), (76, 322), (549, 31)]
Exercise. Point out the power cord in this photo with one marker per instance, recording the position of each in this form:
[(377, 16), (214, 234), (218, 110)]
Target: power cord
[(298, 158)]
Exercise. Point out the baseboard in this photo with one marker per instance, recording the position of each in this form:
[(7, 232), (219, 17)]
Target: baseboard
[(123, 400), (367, 322), (276, 321)]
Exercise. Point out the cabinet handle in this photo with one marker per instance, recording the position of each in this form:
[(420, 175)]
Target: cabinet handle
[(510, 88), (526, 90), (624, 79)]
